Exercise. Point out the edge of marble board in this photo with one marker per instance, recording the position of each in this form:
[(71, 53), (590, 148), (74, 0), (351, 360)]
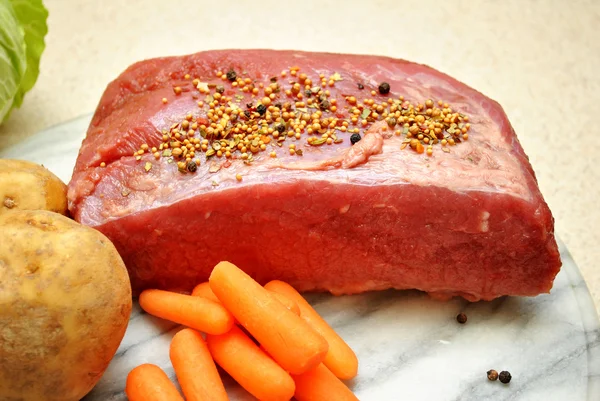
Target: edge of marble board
[(589, 319), (63, 141)]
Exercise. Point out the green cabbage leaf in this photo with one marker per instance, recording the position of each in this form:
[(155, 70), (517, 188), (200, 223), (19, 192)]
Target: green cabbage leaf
[(22, 31)]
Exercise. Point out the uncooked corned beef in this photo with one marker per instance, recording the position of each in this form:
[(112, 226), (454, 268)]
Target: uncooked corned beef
[(466, 220)]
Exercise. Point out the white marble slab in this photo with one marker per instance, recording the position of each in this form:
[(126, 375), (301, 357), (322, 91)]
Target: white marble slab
[(409, 346)]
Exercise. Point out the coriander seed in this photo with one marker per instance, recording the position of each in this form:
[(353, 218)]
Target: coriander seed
[(492, 375)]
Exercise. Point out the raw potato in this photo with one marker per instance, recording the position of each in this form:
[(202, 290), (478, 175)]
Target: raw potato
[(65, 301), (29, 186)]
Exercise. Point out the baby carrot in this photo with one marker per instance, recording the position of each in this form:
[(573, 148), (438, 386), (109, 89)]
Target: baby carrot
[(288, 303), (340, 358), (149, 383), (203, 290), (319, 384), (250, 367), (195, 312), (289, 340), (195, 368)]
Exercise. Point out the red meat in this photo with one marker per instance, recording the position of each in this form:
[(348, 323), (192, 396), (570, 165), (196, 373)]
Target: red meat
[(341, 218)]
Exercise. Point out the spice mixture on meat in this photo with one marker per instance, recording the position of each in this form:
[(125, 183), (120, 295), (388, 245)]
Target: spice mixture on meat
[(293, 107)]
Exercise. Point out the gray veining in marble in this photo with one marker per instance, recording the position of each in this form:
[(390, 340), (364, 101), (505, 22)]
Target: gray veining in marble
[(409, 346)]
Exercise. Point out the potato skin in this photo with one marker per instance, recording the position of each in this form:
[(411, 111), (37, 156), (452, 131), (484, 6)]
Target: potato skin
[(29, 186), (65, 302)]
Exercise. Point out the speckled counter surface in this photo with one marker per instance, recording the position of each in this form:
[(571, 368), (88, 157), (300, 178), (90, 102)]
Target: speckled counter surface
[(540, 60)]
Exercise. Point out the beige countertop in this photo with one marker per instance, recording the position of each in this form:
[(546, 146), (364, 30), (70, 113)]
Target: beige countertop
[(540, 60)]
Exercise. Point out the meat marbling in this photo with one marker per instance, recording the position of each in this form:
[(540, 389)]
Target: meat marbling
[(340, 218)]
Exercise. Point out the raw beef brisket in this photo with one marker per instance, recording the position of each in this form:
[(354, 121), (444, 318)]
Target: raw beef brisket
[(436, 197)]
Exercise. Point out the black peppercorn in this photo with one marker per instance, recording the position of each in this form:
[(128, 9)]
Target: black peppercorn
[(355, 138), (231, 75), (220, 89), (280, 127), (492, 375), (461, 318), (192, 166), (384, 88), (308, 93), (247, 114), (261, 108), (505, 377), (361, 86)]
